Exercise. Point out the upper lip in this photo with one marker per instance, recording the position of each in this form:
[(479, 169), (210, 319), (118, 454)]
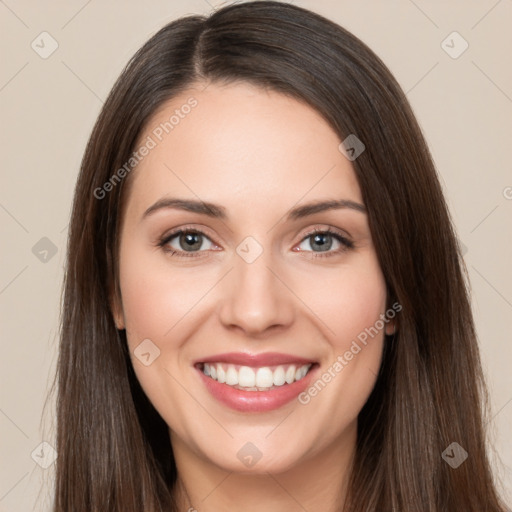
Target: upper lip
[(246, 359)]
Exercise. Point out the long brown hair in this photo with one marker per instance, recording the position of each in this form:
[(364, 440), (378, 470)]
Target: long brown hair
[(114, 452)]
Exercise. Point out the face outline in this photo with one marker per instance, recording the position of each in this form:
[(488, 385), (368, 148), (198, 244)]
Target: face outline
[(297, 302)]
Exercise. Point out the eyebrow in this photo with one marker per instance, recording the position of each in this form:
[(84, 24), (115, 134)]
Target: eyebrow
[(219, 212)]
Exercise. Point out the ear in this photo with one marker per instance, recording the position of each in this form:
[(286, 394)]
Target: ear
[(116, 308), (391, 327)]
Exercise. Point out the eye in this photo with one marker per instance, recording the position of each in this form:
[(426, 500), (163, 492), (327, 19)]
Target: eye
[(185, 241), (323, 241), (189, 242)]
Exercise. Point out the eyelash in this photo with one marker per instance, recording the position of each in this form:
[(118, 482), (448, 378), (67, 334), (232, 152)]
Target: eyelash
[(345, 242)]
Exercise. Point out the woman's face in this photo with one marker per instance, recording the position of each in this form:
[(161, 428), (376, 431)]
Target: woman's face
[(250, 289)]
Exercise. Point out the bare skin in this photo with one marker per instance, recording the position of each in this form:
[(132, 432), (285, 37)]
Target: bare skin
[(257, 154)]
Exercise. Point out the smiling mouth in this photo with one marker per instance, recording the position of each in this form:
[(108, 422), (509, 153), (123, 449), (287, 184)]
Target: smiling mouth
[(247, 378)]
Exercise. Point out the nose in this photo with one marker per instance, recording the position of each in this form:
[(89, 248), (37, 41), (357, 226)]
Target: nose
[(255, 297)]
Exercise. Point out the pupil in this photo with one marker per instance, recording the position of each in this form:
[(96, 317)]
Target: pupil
[(322, 244), (191, 239)]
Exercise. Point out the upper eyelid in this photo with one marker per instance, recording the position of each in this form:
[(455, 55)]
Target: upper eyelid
[(185, 229)]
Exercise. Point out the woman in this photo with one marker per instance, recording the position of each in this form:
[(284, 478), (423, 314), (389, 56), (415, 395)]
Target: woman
[(265, 306)]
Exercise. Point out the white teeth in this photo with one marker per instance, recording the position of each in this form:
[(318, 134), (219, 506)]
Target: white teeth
[(246, 377), (221, 374), (252, 379), (289, 376), (301, 372), (279, 376), (231, 376), (264, 378)]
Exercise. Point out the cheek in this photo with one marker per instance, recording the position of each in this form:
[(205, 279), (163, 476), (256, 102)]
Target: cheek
[(349, 301), (350, 306), (158, 305), (154, 298)]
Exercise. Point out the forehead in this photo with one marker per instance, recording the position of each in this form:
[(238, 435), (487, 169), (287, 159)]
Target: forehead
[(241, 146)]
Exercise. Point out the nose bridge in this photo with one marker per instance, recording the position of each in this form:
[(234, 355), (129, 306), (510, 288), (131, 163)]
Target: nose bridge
[(256, 299)]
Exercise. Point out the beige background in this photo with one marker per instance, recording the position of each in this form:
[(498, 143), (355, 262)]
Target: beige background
[(48, 107)]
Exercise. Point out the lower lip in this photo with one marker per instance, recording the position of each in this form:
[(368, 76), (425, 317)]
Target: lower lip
[(256, 401)]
